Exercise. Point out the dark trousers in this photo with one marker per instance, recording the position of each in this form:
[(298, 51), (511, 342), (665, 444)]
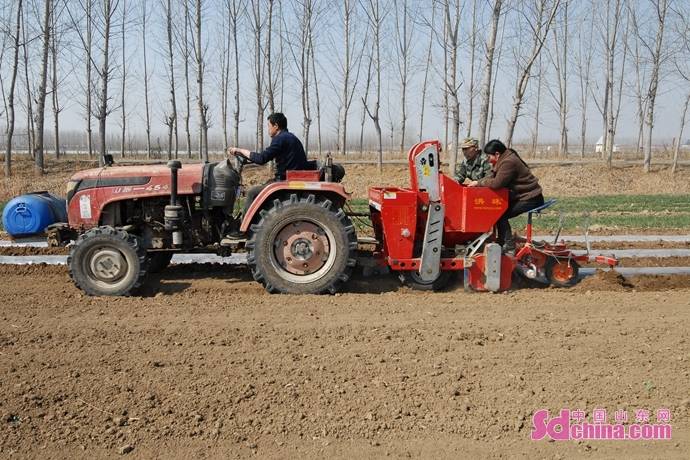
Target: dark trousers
[(505, 233), (252, 193)]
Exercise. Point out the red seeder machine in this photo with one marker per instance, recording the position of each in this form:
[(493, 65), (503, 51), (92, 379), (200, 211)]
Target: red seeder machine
[(127, 221)]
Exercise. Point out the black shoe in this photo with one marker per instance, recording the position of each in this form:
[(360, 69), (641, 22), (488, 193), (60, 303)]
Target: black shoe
[(235, 234), (234, 229), (509, 248)]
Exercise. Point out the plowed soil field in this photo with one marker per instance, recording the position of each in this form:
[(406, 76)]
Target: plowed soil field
[(206, 364)]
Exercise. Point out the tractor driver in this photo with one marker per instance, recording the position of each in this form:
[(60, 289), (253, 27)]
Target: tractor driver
[(475, 165), (285, 149)]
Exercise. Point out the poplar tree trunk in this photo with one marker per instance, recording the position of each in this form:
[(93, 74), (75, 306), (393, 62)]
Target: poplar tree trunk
[(41, 96), (10, 103)]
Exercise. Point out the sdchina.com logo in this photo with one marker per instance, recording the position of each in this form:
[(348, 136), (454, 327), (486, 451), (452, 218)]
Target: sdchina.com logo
[(572, 425)]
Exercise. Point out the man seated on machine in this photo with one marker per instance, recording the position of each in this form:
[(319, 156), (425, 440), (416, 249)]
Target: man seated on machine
[(286, 149), (475, 165), (511, 172)]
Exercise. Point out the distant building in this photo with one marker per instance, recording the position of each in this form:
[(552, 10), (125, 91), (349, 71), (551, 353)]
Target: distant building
[(599, 147)]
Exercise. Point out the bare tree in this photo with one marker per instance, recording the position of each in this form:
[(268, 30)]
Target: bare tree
[(350, 62), (85, 34), (488, 64), (365, 98), (559, 57), (6, 15), (42, 88), (494, 80), (235, 10), (682, 32), (537, 119), (300, 52), (225, 49), (539, 24), (280, 74), (679, 140), (54, 80), (108, 11), (123, 112), (610, 55), (30, 128), (428, 64), (203, 108), (583, 61), (660, 9), (270, 83), (316, 93), (473, 52), (186, 53), (375, 18), (257, 26), (617, 96), (144, 21), (10, 104), (403, 41), (171, 117), (89, 67), (609, 31), (640, 95), (444, 45), (451, 83)]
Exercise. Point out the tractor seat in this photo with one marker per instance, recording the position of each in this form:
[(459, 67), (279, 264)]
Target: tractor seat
[(316, 171), (539, 209)]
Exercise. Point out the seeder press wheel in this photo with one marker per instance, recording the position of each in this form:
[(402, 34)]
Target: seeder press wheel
[(562, 272), (413, 280)]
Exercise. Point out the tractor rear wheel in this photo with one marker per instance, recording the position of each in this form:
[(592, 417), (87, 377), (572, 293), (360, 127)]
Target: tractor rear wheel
[(562, 272), (302, 245), (159, 260), (107, 261), (413, 280)]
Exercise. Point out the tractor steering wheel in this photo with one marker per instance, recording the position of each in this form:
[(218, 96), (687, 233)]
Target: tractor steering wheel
[(240, 161)]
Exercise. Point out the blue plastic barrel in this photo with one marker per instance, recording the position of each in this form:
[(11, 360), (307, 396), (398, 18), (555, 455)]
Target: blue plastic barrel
[(30, 214)]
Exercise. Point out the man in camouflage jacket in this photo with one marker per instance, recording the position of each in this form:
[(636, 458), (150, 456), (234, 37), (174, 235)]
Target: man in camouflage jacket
[(475, 165)]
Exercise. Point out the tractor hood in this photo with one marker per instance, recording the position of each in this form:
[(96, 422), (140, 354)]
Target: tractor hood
[(158, 170), (139, 181)]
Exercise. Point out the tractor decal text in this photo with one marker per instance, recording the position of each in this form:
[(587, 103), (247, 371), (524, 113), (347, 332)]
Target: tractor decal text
[(150, 188)]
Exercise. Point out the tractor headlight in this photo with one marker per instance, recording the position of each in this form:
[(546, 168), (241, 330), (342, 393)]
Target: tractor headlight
[(71, 189)]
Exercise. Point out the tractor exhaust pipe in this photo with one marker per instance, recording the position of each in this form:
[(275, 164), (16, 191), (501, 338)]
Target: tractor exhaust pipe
[(173, 211)]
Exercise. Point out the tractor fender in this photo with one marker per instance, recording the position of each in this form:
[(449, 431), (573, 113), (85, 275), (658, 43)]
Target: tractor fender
[(333, 190)]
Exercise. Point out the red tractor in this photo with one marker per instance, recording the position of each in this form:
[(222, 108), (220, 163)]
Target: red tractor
[(128, 221)]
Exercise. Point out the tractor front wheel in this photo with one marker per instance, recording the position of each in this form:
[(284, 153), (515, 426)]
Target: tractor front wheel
[(562, 272), (302, 245), (107, 261)]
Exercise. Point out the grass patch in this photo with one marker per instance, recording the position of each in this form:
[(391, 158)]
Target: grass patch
[(550, 222), (624, 203)]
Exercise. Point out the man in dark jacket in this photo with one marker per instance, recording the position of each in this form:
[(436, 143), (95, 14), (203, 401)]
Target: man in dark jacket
[(511, 172), (285, 149)]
